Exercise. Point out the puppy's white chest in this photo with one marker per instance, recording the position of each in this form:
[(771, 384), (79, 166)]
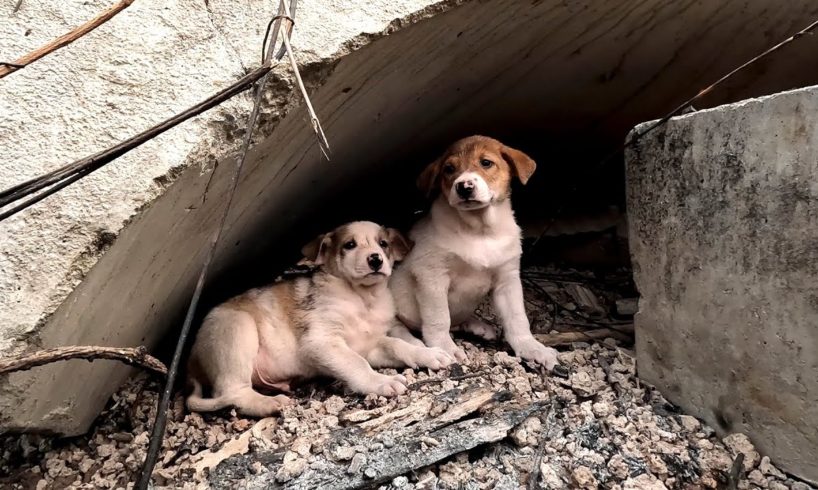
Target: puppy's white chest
[(486, 252), (367, 326)]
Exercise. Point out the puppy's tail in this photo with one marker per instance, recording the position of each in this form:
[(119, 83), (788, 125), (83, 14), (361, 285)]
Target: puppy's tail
[(196, 403)]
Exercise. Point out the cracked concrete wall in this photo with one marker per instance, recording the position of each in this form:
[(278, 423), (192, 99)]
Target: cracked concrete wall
[(723, 213), (580, 70)]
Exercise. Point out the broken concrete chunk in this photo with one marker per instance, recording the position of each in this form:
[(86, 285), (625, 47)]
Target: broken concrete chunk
[(358, 461), (645, 481), (740, 443), (719, 214), (627, 306), (586, 300), (584, 478)]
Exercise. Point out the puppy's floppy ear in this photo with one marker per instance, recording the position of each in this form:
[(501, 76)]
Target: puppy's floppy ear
[(399, 243), (522, 164), (315, 251), (428, 179)]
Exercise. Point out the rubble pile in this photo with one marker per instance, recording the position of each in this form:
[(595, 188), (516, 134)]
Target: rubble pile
[(495, 422)]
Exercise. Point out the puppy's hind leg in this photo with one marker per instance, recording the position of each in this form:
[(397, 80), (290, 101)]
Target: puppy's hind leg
[(399, 331), (478, 327), (229, 345)]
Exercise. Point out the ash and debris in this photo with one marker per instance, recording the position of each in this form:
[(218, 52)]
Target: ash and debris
[(596, 427)]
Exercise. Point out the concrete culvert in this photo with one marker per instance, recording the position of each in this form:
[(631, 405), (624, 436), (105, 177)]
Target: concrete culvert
[(563, 81)]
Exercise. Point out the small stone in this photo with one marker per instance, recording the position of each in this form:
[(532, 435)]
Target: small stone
[(106, 450), (758, 479), (645, 481), (291, 467), (740, 443), (334, 405), (342, 453), (627, 306), (302, 446), (400, 482), (656, 465), (42, 485), (141, 439), (358, 461), (528, 432), (256, 468), (122, 437), (503, 359), (602, 409), (800, 486), (550, 475), (584, 477), (767, 468), (776, 485), (690, 424), (618, 467), (85, 465), (370, 473)]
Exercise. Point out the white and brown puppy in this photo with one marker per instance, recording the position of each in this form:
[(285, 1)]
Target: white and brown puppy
[(468, 246), (332, 323)]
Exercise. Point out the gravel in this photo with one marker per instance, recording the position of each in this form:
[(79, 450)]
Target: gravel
[(602, 428)]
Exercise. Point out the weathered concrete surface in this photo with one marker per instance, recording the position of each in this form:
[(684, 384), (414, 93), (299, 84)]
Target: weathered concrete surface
[(723, 212), (549, 66), (149, 62)]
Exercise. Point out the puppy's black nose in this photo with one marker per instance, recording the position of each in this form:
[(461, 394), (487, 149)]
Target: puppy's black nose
[(464, 189), (375, 262)]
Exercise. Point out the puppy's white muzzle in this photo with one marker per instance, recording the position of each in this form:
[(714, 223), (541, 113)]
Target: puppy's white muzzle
[(469, 191)]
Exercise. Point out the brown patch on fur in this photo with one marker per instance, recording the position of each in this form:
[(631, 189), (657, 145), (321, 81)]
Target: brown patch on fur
[(399, 245), (466, 155)]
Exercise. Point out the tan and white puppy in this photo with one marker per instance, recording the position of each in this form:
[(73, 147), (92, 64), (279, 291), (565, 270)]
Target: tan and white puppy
[(332, 323), (468, 246)]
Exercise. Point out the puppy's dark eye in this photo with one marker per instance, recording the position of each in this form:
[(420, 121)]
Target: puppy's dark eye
[(486, 163), (448, 168), (350, 245), (383, 244)]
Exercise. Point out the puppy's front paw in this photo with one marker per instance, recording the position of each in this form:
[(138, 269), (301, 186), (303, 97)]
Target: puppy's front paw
[(389, 385), (434, 358), (447, 345), (534, 351)]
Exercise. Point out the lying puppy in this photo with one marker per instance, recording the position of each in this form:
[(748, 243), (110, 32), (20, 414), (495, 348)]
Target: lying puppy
[(466, 247), (332, 323)]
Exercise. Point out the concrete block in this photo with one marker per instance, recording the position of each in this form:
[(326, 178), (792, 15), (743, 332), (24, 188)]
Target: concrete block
[(723, 216)]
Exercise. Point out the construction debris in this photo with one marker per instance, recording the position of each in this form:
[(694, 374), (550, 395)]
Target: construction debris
[(495, 422)]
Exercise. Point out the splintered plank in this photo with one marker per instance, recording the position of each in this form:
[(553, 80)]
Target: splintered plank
[(409, 455)]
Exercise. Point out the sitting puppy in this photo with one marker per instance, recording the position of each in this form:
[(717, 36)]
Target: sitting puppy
[(467, 247), (333, 322)]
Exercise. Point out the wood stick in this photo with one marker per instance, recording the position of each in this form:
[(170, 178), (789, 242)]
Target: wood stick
[(564, 338), (133, 356), (65, 39)]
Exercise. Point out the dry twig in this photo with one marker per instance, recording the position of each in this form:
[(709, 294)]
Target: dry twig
[(65, 39), (133, 356)]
